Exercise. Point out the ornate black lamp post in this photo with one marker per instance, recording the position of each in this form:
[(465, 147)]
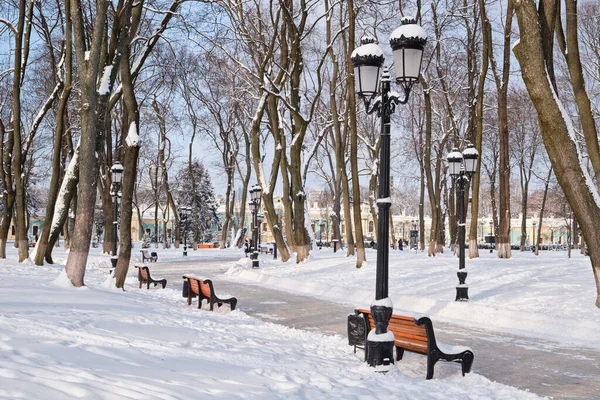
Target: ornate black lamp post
[(407, 42), (534, 225), (184, 216), (255, 199), (117, 177), (461, 168)]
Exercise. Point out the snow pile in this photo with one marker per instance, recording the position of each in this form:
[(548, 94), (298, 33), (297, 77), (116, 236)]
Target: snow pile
[(58, 343)]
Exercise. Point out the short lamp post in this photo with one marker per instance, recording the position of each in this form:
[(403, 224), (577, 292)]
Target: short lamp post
[(255, 199), (260, 218), (461, 167), (184, 216), (407, 42), (492, 238), (534, 225), (117, 177)]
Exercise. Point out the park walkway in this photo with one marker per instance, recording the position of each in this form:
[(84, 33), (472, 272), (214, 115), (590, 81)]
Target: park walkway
[(542, 367)]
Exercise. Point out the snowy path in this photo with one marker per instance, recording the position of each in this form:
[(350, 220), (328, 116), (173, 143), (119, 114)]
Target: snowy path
[(544, 368)]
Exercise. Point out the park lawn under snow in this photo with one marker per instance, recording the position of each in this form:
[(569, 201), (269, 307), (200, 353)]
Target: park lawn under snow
[(58, 342), (549, 296)]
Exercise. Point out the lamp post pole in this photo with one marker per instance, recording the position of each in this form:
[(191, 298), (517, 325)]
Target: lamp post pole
[(534, 225), (255, 199), (117, 176), (481, 228), (492, 238), (407, 42), (461, 167)]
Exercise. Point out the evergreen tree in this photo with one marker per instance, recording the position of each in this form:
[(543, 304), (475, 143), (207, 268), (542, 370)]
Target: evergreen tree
[(205, 213)]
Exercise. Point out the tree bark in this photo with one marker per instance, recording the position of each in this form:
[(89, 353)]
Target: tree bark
[(357, 215), (88, 173), (61, 116)]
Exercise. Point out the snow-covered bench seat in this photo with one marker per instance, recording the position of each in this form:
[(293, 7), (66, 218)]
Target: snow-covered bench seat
[(204, 289), (144, 277), (417, 336)]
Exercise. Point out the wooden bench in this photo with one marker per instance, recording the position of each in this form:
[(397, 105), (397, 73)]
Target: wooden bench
[(152, 257), (204, 289), (144, 277), (417, 336)]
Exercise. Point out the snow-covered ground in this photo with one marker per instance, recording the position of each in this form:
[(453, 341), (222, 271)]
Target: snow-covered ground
[(95, 342), (550, 296)]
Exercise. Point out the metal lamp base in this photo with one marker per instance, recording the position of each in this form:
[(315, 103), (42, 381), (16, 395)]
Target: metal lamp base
[(380, 341), (462, 290)]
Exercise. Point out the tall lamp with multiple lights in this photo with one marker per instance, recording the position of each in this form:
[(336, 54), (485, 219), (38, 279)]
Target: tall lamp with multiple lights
[(461, 167), (407, 42), (117, 177), (255, 200)]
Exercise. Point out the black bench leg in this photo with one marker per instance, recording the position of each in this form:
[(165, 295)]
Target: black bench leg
[(148, 284), (431, 360), (164, 283), (140, 284), (399, 353), (467, 362), (233, 303)]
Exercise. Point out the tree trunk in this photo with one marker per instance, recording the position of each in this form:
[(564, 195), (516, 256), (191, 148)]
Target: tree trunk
[(88, 173), (357, 217), (61, 116), (66, 193), (7, 182), (132, 148), (17, 162), (478, 139)]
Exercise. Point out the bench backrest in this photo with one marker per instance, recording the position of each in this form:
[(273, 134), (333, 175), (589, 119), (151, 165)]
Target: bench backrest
[(407, 333), (194, 283), (205, 288), (143, 272)]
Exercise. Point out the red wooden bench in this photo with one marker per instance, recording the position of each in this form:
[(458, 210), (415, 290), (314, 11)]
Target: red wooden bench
[(204, 289), (417, 336), (144, 277)]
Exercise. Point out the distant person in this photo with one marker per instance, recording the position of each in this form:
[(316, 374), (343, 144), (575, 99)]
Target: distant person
[(372, 244), (400, 247)]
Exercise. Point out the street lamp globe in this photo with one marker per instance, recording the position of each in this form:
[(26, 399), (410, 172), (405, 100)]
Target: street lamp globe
[(470, 156), (255, 193), (408, 42), (117, 172), (455, 160), (367, 60)]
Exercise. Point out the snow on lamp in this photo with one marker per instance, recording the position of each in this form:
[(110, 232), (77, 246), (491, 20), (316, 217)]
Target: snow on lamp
[(408, 42), (455, 159), (117, 172), (367, 60), (470, 156)]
